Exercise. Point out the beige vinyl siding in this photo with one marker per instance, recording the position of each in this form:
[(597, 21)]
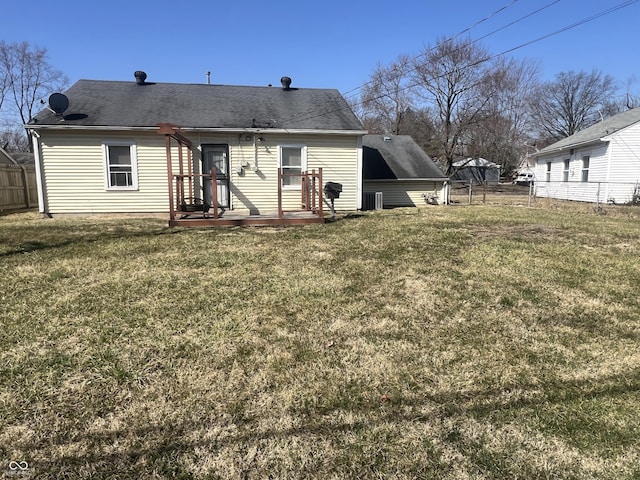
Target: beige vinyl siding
[(74, 170), (257, 189), (74, 174), (404, 193)]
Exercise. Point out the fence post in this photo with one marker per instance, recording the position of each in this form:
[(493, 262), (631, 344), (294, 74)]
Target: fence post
[(25, 186), (470, 191)]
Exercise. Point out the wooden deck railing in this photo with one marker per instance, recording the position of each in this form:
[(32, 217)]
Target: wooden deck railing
[(311, 191)]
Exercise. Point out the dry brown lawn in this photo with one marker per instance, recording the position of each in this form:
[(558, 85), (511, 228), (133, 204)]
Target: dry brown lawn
[(465, 342)]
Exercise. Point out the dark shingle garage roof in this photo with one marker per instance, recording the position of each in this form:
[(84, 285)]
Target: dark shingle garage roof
[(397, 157), (127, 104)]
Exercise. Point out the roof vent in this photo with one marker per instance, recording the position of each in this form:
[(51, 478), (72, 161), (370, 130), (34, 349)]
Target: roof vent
[(286, 83), (140, 77)]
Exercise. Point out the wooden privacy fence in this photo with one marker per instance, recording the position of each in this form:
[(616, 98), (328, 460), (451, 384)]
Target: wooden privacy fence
[(17, 187)]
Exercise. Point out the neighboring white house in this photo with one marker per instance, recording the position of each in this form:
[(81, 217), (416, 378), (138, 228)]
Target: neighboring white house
[(598, 164), (98, 147), (398, 173)]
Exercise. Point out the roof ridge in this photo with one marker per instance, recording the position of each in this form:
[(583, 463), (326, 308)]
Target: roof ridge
[(202, 84)]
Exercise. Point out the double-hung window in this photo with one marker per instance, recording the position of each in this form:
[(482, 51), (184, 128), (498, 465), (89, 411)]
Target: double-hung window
[(293, 161), (565, 172), (548, 172), (120, 166), (585, 168)]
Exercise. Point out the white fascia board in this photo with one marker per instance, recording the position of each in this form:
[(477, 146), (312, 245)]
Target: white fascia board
[(568, 147)]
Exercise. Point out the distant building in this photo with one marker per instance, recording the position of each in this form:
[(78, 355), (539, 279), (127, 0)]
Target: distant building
[(477, 171)]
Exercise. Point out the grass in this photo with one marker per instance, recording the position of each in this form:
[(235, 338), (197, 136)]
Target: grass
[(467, 342)]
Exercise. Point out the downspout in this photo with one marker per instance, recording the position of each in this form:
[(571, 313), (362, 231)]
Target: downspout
[(255, 153), (43, 208), (359, 193), (609, 155)]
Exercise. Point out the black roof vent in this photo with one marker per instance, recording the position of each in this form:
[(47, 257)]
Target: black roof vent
[(140, 77), (286, 83)]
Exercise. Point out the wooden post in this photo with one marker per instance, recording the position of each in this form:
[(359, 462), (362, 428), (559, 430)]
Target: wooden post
[(172, 212), (280, 192), (303, 185), (321, 200), (313, 190), (25, 184), (214, 192)]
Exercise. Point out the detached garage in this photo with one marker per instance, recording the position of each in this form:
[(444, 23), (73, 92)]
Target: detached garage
[(398, 173)]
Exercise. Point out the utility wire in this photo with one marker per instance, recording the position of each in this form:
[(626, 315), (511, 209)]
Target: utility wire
[(467, 29), (353, 92), (504, 52)]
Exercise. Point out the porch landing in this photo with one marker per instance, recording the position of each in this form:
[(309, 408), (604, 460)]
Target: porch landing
[(231, 219)]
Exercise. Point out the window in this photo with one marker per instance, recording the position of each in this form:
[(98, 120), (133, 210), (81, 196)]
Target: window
[(585, 168), (565, 172), (548, 176), (120, 162), (293, 163)]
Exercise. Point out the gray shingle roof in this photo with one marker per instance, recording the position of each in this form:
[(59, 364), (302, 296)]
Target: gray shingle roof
[(398, 157), (126, 104), (595, 132)]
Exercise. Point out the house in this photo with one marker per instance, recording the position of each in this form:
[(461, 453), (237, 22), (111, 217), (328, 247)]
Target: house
[(399, 173), (145, 147), (476, 170), (598, 164)]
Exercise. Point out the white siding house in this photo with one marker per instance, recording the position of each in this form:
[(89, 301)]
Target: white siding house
[(105, 153), (598, 164)]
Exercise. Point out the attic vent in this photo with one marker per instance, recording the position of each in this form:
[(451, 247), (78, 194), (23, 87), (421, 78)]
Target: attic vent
[(286, 83), (140, 77)]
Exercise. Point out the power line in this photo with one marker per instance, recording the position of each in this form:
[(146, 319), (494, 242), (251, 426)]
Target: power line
[(467, 29), (504, 52), (347, 95)]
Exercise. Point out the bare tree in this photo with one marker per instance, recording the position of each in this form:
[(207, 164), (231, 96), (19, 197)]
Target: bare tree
[(27, 78), (386, 99), (572, 102), (504, 125), (453, 77)]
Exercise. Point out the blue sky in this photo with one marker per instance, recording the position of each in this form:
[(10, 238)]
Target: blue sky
[(324, 44)]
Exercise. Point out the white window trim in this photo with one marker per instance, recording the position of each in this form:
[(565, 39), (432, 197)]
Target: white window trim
[(566, 169), (585, 170), (548, 167), (303, 161), (134, 163)]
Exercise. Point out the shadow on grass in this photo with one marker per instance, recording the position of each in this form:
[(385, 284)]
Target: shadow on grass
[(36, 245), (164, 448)]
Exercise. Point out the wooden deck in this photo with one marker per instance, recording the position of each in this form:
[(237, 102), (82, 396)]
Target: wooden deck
[(231, 219), (186, 209)]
